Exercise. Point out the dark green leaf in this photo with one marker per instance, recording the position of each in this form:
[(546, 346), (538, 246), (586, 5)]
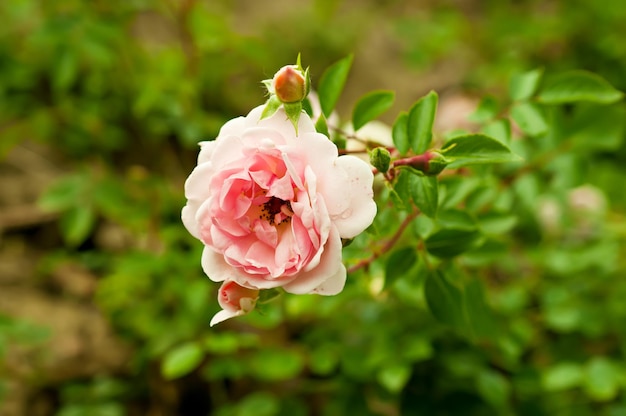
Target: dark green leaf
[(370, 106), (577, 86), (480, 316), (399, 263), (444, 300), (447, 243), (331, 84), (523, 86), (476, 149), (400, 133), (529, 118), (181, 360), (494, 387), (420, 122)]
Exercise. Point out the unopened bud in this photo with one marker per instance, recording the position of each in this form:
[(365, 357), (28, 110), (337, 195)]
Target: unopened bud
[(380, 159), (436, 164), (290, 84)]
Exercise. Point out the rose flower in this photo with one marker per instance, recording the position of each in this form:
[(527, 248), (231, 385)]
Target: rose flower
[(271, 208)]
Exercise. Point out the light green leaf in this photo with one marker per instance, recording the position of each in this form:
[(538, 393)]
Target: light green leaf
[(476, 149), (275, 364), (499, 130), (370, 106), (182, 360), (562, 376), (321, 126), (394, 377), (400, 133), (331, 84), (487, 110), (597, 128), (529, 118), (523, 86), (601, 379), (76, 224), (574, 86), (420, 122), (424, 191)]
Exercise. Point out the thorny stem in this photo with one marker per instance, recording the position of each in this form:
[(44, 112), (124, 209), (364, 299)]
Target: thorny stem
[(388, 245)]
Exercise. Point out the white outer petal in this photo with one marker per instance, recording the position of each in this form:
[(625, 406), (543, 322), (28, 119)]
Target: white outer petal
[(223, 315), (197, 192), (362, 208)]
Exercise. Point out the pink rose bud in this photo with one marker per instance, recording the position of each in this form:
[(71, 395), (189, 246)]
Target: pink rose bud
[(235, 300), (290, 84)]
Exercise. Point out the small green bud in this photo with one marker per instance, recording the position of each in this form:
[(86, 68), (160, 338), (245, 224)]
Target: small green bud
[(380, 158), (436, 163)]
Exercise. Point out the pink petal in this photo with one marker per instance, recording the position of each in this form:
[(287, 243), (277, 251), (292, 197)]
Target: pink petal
[(330, 267), (223, 315)]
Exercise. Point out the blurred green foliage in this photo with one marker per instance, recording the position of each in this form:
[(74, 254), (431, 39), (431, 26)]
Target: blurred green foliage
[(529, 317)]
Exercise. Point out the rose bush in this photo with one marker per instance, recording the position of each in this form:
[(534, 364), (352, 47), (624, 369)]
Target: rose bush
[(271, 207)]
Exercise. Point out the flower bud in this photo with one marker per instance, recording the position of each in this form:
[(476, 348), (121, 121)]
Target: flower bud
[(380, 159), (235, 300), (290, 84), (436, 164)]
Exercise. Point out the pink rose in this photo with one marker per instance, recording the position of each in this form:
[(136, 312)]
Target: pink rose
[(271, 207)]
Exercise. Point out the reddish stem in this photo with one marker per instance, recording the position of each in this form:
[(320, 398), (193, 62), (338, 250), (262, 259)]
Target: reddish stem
[(388, 245)]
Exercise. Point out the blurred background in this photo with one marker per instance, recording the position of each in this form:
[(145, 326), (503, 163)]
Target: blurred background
[(104, 309)]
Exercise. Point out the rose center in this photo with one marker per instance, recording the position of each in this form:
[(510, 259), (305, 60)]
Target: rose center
[(276, 211)]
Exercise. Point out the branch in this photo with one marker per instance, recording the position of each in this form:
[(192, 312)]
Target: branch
[(388, 245)]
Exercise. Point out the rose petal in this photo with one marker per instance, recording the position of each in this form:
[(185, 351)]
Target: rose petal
[(329, 268), (223, 315), (362, 210)]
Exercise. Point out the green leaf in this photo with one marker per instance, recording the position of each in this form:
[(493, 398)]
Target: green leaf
[(450, 242), (370, 106), (476, 149), (394, 377), (597, 128), (494, 387), (499, 130), (321, 126), (274, 364), (487, 110), (424, 191), (575, 86), (444, 300), (76, 224), (181, 360), (523, 86), (331, 84), (562, 376), (400, 133), (420, 122), (601, 379), (399, 264), (529, 118), (482, 321)]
